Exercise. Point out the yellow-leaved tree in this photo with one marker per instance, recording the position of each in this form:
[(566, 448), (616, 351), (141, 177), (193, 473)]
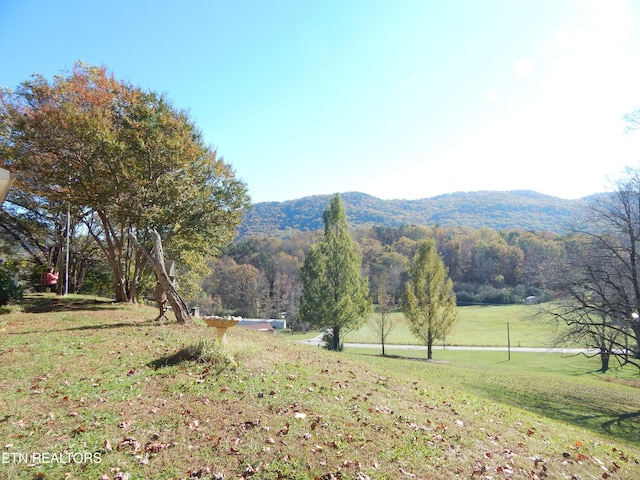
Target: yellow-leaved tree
[(430, 302)]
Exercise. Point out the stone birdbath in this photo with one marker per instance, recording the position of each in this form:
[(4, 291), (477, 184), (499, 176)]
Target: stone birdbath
[(221, 324)]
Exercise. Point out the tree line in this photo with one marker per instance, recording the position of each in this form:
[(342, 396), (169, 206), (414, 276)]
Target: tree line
[(496, 210), (259, 276)]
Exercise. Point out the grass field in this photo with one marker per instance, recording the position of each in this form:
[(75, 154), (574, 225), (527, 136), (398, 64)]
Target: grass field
[(91, 390), (479, 326)]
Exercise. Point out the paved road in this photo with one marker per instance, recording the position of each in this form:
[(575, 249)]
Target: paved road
[(316, 341)]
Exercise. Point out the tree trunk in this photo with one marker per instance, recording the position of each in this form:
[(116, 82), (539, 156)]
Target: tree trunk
[(113, 249), (604, 361), (120, 290), (180, 309), (429, 346), (336, 339), (635, 327)]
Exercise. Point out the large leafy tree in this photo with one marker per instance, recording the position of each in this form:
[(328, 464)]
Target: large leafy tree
[(334, 294), (125, 162), (430, 303)]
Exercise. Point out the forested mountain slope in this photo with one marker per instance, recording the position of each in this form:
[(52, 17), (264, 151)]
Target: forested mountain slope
[(496, 210)]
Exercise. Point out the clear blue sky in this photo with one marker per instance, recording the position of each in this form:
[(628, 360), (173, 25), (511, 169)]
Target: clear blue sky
[(394, 98)]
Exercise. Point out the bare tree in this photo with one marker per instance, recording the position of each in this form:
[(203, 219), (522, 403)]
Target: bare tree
[(599, 286), (383, 323), (591, 301), (387, 271)]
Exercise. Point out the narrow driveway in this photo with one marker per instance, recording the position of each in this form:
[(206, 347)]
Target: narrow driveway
[(317, 341)]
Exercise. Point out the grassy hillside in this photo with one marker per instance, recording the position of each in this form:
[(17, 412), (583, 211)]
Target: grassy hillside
[(126, 397)]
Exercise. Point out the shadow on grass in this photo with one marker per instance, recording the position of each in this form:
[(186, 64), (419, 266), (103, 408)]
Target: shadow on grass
[(186, 354), (596, 409), (103, 326), (204, 352), (627, 423), (400, 357), (597, 414), (48, 304)]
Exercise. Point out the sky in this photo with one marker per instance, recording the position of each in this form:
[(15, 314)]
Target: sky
[(399, 99)]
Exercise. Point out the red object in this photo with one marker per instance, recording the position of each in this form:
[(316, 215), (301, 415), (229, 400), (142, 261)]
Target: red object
[(52, 278)]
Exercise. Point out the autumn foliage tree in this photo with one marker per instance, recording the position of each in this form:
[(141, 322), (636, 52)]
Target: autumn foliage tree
[(125, 162), (430, 303)]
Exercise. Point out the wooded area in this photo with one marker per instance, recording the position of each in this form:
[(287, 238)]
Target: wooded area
[(519, 209), (260, 276)]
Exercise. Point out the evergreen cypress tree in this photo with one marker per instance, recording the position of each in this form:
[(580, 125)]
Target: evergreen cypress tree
[(334, 294)]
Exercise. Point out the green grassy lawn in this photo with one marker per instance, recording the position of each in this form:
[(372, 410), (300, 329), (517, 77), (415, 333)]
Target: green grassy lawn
[(567, 390), (92, 390), (477, 325)]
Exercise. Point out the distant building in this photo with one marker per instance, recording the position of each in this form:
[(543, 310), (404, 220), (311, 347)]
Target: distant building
[(532, 300), (261, 327), (276, 323)]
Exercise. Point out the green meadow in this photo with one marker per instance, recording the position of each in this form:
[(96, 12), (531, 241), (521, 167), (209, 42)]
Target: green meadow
[(490, 326)]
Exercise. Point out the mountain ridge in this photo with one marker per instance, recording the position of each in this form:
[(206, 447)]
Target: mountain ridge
[(499, 210)]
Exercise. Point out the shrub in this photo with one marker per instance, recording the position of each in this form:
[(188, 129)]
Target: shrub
[(8, 289), (486, 294), (327, 339), (208, 352)]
